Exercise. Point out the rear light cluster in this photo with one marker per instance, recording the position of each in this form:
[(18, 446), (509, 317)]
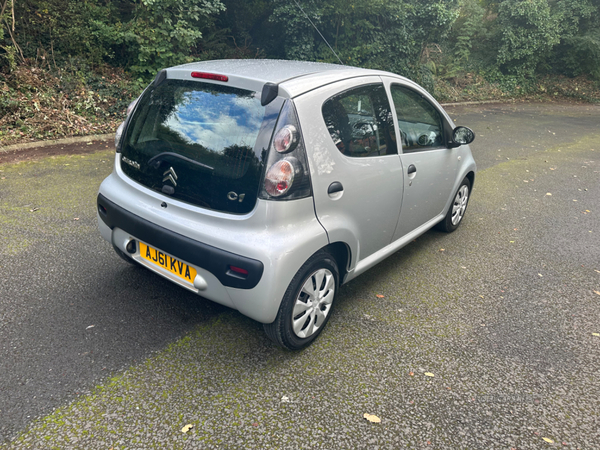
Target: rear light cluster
[(286, 139), (119, 132), (280, 178), (287, 176)]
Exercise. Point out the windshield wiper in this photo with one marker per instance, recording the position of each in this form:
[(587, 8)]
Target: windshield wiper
[(156, 160)]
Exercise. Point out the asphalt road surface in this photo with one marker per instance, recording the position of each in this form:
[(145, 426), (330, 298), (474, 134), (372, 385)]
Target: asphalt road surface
[(485, 338)]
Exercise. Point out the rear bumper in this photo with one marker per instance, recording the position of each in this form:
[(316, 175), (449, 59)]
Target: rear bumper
[(275, 239), (209, 258)]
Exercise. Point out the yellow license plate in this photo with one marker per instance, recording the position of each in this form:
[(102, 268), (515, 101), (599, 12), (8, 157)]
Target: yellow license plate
[(176, 267)]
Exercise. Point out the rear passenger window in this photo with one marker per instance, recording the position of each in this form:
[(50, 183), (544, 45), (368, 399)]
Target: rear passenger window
[(360, 122), (419, 122)]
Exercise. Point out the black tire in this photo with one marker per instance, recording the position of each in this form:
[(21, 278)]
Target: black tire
[(457, 209), (124, 256), (320, 268)]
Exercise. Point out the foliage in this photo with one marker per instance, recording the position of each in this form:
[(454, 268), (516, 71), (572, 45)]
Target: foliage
[(514, 38), (579, 50), (528, 31), (369, 33), (42, 104), (164, 31), (55, 53)]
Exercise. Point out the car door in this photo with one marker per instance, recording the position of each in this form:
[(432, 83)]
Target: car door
[(355, 169), (429, 167)]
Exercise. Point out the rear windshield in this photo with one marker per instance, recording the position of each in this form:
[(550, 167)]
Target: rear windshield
[(200, 143)]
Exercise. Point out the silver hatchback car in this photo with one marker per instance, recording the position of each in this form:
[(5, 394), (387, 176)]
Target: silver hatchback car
[(265, 185)]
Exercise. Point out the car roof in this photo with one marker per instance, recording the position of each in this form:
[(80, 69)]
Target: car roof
[(294, 77)]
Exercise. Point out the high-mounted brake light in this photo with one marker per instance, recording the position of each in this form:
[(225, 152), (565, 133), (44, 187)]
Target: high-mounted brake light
[(210, 76), (238, 270)]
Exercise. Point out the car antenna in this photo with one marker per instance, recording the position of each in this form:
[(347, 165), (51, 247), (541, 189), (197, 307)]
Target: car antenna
[(323, 37)]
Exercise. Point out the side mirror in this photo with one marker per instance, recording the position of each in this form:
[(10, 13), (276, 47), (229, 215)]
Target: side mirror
[(462, 136)]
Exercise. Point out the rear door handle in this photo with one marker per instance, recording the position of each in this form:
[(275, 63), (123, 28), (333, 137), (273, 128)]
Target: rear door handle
[(412, 169), (334, 187)]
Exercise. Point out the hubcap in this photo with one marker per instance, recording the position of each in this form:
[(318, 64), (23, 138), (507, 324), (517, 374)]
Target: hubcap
[(460, 204), (313, 303)]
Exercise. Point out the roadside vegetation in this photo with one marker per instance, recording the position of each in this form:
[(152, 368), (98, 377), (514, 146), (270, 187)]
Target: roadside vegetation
[(70, 67)]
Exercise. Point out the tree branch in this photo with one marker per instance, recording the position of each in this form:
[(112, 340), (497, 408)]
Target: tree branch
[(3, 7)]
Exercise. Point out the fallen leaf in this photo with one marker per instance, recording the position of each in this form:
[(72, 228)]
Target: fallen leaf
[(548, 440), (372, 418), (429, 374), (379, 296), (255, 424), (187, 428)]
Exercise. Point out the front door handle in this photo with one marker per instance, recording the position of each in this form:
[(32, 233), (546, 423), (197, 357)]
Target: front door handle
[(412, 169)]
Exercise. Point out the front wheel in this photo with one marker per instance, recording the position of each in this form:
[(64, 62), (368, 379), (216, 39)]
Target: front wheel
[(457, 209), (306, 305)]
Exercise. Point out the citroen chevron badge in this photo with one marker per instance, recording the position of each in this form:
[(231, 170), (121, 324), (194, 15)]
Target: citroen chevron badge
[(171, 176)]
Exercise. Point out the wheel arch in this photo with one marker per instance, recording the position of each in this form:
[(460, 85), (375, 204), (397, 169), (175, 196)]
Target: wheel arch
[(342, 254), (471, 177)]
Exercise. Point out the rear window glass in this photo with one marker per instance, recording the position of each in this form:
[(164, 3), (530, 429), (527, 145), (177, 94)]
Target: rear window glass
[(201, 143)]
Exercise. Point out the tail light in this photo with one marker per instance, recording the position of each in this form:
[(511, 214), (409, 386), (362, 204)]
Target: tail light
[(287, 176), (119, 132), (280, 177), (286, 139)]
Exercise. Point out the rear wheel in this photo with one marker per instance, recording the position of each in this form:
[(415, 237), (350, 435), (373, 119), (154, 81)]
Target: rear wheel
[(306, 305), (457, 209)]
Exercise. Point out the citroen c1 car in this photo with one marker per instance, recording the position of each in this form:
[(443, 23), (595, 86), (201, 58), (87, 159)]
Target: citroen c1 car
[(265, 185)]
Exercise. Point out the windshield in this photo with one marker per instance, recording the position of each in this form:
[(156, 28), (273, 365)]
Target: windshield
[(201, 143)]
